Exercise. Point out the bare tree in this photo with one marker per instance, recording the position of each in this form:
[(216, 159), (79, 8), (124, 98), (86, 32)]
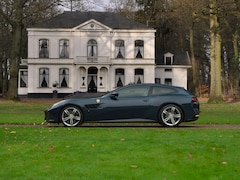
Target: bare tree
[(14, 13)]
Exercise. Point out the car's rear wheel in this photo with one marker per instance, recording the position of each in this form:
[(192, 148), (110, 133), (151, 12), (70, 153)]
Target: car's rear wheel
[(71, 116), (170, 115)]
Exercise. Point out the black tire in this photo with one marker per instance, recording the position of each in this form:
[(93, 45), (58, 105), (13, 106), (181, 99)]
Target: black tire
[(170, 115), (71, 116)]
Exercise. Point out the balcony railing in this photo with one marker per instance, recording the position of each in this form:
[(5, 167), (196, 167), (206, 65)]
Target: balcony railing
[(86, 60)]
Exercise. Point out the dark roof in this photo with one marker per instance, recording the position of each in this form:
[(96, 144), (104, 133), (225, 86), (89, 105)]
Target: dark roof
[(179, 58), (72, 19)]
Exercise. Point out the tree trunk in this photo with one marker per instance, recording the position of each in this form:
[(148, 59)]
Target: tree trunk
[(235, 62), (215, 56), (195, 74), (17, 28)]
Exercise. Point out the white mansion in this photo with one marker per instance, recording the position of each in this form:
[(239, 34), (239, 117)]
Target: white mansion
[(95, 52)]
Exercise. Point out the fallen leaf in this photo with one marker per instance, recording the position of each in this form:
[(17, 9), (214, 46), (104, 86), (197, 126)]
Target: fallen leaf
[(134, 166), (190, 156), (51, 149), (47, 166), (224, 162)]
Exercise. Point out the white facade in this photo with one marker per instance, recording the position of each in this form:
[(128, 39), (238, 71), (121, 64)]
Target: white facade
[(93, 57), (101, 70)]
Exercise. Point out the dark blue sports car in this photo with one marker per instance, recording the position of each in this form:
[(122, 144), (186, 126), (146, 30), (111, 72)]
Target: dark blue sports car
[(168, 105)]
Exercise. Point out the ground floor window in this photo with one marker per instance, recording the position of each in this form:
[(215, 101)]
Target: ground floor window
[(139, 76), (43, 77), (63, 77), (168, 81), (23, 78), (119, 78), (158, 80)]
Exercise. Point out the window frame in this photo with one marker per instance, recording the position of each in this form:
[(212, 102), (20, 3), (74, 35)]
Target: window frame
[(62, 76), (139, 49), (23, 80), (119, 49), (92, 46), (119, 75), (63, 50), (43, 48), (44, 77), (139, 75)]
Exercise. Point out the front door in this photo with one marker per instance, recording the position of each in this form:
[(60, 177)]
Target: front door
[(92, 79)]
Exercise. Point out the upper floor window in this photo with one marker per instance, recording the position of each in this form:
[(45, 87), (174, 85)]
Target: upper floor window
[(119, 49), (139, 49), (64, 48), (43, 48), (43, 77), (23, 78), (92, 48), (63, 77)]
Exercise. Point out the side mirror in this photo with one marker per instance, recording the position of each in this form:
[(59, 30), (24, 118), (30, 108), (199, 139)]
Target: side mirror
[(114, 95)]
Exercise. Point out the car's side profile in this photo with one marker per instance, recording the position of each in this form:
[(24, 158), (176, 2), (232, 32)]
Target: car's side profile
[(168, 105)]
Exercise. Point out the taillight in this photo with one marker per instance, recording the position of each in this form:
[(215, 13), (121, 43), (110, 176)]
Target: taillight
[(194, 99)]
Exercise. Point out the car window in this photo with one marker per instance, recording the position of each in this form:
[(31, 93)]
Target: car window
[(162, 90), (133, 92)]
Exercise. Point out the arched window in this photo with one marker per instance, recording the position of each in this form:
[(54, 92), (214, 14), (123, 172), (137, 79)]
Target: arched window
[(43, 77), (64, 48), (119, 49), (43, 48), (63, 77), (92, 49), (139, 49)]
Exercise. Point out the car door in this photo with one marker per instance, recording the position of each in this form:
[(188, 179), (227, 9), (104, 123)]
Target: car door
[(127, 103)]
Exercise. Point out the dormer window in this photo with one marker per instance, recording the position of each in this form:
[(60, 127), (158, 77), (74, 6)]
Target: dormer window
[(168, 59)]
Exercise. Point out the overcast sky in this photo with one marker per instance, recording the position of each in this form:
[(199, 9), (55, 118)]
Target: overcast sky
[(94, 5)]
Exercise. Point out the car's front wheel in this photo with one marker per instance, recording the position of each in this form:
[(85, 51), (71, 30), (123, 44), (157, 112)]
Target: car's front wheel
[(71, 116), (170, 115)]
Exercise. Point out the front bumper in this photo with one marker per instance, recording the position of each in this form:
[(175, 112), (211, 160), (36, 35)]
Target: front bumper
[(50, 117)]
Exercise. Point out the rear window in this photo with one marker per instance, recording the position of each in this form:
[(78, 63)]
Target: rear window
[(162, 90)]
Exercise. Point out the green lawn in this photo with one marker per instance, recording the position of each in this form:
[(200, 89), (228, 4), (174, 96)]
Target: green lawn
[(46, 152), (32, 112), (118, 153)]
